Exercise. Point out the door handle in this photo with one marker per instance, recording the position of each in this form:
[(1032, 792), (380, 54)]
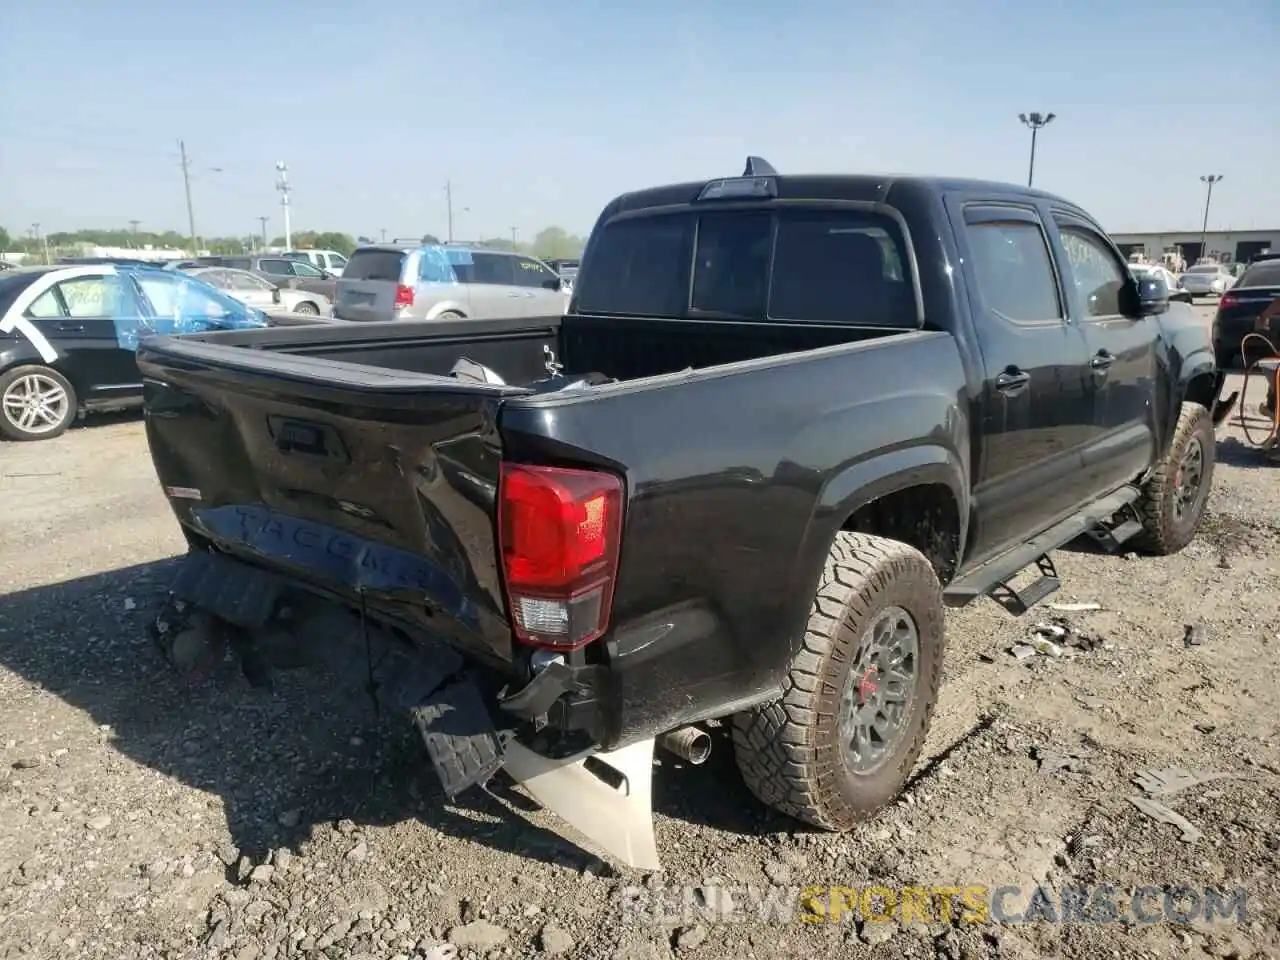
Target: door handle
[(70, 328), (1012, 382), (1102, 360)]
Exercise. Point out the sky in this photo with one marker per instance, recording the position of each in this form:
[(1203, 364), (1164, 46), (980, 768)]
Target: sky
[(540, 113)]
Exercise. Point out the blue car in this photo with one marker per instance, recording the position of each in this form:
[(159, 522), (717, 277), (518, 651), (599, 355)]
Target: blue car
[(68, 336)]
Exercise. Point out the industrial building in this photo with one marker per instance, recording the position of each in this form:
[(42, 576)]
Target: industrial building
[(1228, 246)]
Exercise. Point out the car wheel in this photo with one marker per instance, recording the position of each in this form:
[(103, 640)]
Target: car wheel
[(36, 403), (450, 315), (1174, 496), (307, 309), (840, 742)]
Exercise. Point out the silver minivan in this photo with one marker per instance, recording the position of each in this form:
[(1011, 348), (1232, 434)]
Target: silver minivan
[(390, 281)]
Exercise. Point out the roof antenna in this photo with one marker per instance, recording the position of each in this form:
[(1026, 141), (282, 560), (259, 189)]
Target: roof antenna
[(759, 167)]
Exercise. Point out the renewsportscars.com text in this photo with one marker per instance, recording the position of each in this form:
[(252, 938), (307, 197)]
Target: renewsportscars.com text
[(973, 904)]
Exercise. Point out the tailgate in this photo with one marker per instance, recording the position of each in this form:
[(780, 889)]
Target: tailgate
[(374, 485), (366, 300)]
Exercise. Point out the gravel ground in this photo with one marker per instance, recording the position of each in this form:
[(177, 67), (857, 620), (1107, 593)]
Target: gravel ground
[(143, 818)]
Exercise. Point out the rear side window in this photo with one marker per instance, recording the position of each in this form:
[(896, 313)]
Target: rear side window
[(809, 266), (11, 285), (375, 265), (1015, 274), (1265, 274)]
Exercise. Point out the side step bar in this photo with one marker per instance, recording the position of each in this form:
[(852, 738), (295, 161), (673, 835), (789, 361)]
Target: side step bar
[(992, 578)]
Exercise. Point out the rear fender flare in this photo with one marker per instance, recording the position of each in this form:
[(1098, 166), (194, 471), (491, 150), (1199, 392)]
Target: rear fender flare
[(862, 482)]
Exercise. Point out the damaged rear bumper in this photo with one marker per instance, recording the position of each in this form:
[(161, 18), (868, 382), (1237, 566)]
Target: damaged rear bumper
[(471, 720)]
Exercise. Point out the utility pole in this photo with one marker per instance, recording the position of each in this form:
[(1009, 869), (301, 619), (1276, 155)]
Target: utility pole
[(263, 221), (282, 184), (448, 196), (1036, 122), (134, 225), (383, 231), (186, 183), (1210, 179), (514, 231)]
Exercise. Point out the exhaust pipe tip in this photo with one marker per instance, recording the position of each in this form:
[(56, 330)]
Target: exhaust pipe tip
[(691, 744)]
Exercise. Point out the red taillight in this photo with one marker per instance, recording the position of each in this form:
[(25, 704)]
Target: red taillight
[(404, 296), (1227, 300), (559, 532)]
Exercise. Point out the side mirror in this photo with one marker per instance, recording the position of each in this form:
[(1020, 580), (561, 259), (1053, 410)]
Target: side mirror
[(1151, 297)]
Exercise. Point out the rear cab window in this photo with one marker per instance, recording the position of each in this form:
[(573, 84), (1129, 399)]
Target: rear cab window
[(373, 264), (806, 265)]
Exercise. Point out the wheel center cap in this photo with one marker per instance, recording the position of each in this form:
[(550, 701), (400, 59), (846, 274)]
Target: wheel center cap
[(867, 686)]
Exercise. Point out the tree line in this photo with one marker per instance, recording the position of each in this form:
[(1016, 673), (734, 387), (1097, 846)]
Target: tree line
[(550, 243)]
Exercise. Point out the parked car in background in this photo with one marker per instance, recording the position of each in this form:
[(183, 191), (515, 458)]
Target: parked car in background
[(1239, 309), (261, 293), (392, 281), (1146, 271), (329, 260), (68, 336), (283, 271), (1207, 279)]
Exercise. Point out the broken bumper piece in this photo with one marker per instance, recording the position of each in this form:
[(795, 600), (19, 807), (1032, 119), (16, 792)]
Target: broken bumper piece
[(465, 748), (606, 797)]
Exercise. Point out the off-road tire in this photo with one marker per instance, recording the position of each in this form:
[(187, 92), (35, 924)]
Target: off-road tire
[(11, 431), (1162, 533), (790, 751)]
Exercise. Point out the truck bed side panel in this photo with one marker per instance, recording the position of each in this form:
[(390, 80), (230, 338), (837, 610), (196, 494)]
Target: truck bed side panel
[(738, 480)]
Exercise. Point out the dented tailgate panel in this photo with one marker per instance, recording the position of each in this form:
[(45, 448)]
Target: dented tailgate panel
[(388, 498)]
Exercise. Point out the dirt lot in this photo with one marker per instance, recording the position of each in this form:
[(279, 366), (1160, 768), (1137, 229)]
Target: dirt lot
[(142, 818)]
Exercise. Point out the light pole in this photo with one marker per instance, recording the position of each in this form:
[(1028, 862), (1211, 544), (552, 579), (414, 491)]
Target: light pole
[(1036, 121), (42, 242), (514, 232), (263, 222), (282, 184), (1209, 179), (134, 224)]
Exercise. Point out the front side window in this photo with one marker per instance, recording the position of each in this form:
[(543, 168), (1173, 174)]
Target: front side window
[(1014, 271), (1097, 276), (301, 269), (531, 273)]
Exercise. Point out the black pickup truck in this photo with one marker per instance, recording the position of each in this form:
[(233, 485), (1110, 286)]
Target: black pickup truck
[(786, 420)]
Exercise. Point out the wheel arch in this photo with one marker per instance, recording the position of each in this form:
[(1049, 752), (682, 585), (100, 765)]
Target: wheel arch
[(883, 495)]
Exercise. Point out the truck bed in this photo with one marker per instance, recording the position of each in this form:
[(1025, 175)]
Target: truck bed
[(627, 348)]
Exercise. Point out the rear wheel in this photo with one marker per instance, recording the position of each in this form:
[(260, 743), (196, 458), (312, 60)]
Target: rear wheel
[(307, 309), (36, 403), (1174, 497), (450, 315), (860, 693)]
